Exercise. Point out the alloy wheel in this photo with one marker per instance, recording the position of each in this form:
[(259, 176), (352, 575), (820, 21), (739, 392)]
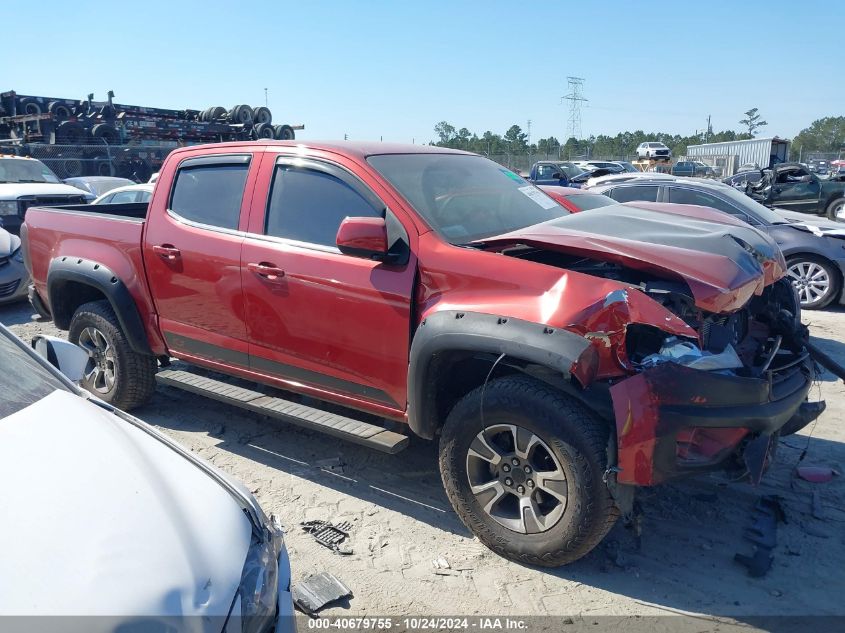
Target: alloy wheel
[(100, 371), (516, 479), (811, 281)]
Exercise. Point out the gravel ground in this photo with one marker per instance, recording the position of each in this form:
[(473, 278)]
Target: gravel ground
[(402, 521)]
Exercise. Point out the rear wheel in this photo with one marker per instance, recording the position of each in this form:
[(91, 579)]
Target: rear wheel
[(115, 373), (815, 279), (836, 210), (525, 474)]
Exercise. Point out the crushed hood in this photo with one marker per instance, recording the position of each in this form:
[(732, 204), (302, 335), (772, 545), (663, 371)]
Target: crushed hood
[(107, 520), (723, 263)]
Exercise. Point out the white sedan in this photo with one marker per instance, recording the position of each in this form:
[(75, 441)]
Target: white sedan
[(105, 516), (130, 193)]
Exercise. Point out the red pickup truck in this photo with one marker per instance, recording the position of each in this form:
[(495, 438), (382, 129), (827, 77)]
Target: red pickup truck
[(563, 360)]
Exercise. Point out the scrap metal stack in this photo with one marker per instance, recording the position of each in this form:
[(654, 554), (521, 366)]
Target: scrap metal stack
[(103, 138)]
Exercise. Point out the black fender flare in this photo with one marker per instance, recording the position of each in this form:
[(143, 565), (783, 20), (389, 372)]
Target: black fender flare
[(475, 332), (100, 277)]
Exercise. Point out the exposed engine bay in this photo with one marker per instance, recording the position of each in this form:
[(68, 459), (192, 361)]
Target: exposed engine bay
[(768, 326), (717, 397)]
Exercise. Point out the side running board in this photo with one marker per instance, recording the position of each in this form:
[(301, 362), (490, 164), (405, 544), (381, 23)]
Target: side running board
[(331, 423)]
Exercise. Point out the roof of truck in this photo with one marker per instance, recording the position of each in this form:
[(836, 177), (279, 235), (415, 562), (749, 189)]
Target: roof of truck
[(359, 149)]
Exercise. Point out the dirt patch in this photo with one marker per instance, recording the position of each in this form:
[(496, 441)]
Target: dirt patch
[(402, 523)]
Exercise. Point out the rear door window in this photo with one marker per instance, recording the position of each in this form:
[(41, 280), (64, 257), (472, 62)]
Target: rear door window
[(639, 193), (680, 195), (210, 194)]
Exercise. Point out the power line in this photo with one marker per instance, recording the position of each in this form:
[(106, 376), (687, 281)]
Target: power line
[(575, 98)]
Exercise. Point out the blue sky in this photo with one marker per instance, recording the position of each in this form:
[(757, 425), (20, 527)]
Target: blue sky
[(394, 69)]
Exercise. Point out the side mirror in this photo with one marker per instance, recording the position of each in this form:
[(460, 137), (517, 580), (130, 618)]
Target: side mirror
[(363, 237), (68, 358)]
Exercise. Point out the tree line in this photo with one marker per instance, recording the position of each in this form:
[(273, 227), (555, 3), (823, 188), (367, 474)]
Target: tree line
[(823, 135)]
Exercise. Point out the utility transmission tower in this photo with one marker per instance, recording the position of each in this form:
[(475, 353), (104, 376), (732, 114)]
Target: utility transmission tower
[(575, 97), (529, 133)]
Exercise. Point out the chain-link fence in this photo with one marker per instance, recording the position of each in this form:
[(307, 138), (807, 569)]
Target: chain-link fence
[(136, 162)]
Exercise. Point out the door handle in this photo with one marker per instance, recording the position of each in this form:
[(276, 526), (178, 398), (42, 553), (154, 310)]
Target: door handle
[(167, 251), (266, 271)]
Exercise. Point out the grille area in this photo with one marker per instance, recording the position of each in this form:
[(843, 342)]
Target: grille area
[(9, 288), (25, 202)]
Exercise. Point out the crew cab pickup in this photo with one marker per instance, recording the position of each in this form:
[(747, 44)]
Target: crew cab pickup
[(562, 360), (550, 172), (793, 187)]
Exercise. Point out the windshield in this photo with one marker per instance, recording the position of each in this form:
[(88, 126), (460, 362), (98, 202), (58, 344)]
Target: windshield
[(23, 381), (570, 170), (587, 201), (466, 198), (25, 170), (768, 216)]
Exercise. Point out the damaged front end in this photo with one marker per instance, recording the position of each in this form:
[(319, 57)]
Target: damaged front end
[(719, 400), (696, 334)]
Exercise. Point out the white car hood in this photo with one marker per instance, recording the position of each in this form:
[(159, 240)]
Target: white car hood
[(100, 518), (12, 190)]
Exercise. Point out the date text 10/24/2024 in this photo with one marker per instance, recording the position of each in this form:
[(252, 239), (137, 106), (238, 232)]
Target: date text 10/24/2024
[(418, 624)]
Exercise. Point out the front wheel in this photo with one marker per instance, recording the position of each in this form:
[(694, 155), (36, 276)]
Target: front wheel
[(815, 279), (524, 472), (115, 373)]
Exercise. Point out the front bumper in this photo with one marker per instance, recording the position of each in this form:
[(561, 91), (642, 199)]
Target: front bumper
[(673, 420), (285, 621), (14, 280)]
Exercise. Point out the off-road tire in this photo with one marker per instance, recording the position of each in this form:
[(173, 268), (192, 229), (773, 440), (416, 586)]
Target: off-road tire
[(134, 373), (579, 443)]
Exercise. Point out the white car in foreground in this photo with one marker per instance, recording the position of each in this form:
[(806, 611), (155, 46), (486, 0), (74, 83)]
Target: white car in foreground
[(105, 516)]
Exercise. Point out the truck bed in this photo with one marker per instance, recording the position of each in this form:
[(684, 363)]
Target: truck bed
[(136, 210), (110, 234)]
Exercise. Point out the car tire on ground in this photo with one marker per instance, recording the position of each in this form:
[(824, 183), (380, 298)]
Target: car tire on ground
[(525, 474), (72, 167), (836, 210), (116, 373), (816, 280)]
